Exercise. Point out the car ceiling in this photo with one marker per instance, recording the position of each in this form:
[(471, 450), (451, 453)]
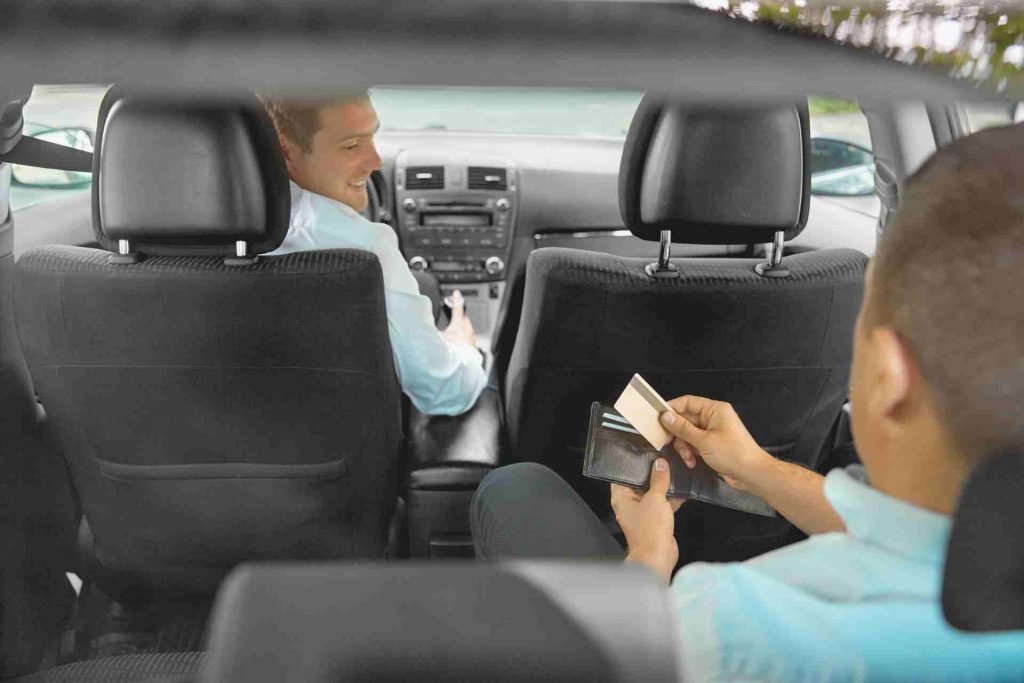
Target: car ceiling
[(305, 44)]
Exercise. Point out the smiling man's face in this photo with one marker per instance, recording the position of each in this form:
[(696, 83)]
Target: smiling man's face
[(341, 155)]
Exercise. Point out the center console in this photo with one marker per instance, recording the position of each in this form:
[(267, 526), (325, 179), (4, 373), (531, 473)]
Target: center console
[(456, 214)]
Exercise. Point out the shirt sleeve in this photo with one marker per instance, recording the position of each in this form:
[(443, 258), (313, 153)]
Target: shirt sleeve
[(694, 591), (439, 377)]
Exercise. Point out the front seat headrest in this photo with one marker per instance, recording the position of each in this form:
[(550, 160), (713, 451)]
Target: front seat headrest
[(188, 176), (716, 175), (983, 581)]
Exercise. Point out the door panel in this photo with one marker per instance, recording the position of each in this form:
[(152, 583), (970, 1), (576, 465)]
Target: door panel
[(37, 517)]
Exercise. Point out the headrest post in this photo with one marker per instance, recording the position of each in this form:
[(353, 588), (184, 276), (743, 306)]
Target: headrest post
[(777, 245), (774, 267), (241, 257), (663, 269), (124, 255)]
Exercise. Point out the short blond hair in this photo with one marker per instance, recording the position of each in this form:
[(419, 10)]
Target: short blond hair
[(298, 119)]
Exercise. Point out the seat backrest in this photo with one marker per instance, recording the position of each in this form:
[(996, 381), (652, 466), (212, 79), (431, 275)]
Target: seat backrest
[(777, 348), (212, 408), (983, 581), (442, 622)]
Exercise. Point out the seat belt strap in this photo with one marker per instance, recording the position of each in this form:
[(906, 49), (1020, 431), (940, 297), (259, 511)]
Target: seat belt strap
[(35, 152)]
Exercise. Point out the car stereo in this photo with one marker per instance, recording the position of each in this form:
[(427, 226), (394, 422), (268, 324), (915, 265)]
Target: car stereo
[(455, 213)]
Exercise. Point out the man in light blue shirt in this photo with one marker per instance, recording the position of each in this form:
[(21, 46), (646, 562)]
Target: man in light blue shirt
[(329, 152), (936, 386)]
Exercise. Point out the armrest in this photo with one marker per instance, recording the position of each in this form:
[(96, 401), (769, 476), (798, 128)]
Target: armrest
[(454, 453)]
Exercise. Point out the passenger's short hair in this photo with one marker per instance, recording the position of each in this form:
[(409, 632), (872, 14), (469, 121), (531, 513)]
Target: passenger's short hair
[(948, 277), (298, 119)]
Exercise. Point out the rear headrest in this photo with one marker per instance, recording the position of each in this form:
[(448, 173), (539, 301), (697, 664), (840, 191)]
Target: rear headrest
[(983, 582), (716, 175), (188, 176), (431, 621)]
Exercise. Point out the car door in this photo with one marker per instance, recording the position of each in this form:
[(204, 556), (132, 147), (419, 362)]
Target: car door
[(37, 518)]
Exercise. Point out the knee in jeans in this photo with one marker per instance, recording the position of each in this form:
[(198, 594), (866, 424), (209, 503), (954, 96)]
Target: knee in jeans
[(522, 476), (510, 483)]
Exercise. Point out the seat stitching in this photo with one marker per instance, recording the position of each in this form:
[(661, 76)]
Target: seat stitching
[(810, 409), (681, 369), (828, 321), (153, 367)]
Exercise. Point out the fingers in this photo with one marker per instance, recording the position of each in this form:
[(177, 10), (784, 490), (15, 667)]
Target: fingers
[(623, 494), (660, 478), (683, 428), (691, 407), (686, 452)]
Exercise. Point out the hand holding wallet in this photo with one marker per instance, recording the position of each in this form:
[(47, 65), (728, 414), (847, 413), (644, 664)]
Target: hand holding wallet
[(620, 454)]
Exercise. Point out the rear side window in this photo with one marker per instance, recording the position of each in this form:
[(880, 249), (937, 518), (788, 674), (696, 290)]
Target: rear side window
[(982, 115)]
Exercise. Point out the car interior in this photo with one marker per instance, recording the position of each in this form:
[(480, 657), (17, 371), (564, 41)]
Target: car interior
[(210, 470)]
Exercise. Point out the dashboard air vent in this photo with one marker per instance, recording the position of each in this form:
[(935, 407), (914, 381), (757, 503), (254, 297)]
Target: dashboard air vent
[(424, 178), (487, 178)]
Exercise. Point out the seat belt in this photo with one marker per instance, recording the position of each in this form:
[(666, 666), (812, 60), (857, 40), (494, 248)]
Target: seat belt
[(16, 148), (29, 151)]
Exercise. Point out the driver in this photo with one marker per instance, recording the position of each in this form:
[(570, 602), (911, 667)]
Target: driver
[(329, 152)]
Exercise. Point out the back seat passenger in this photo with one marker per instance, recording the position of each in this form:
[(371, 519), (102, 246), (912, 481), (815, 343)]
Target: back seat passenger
[(772, 339)]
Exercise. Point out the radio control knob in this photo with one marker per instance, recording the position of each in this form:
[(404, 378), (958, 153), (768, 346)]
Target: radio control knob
[(494, 265), (409, 204), (418, 263), (501, 205)]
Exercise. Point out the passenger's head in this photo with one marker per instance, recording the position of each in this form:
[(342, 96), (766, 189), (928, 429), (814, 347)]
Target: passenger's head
[(939, 347), (327, 143)]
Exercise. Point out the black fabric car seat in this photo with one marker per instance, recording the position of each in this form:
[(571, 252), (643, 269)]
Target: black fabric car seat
[(213, 405), (983, 578), (773, 339)]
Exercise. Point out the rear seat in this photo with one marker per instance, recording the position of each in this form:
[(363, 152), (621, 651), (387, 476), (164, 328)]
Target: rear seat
[(173, 667)]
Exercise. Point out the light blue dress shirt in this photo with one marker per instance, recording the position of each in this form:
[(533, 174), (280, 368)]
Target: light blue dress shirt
[(440, 378), (854, 606)]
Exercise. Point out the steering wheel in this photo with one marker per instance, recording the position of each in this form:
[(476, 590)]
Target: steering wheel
[(375, 210)]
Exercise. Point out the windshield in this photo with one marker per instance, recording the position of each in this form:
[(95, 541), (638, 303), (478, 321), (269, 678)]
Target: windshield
[(522, 111)]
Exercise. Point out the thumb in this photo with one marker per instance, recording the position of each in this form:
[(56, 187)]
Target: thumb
[(660, 478), (458, 304), (677, 425)]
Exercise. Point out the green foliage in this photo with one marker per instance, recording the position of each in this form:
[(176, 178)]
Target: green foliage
[(831, 105), (844, 20)]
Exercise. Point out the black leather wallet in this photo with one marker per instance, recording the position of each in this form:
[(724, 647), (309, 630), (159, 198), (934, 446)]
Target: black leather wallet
[(617, 453)]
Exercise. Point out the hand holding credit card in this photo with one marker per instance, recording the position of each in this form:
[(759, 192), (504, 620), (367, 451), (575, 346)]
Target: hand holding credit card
[(642, 406)]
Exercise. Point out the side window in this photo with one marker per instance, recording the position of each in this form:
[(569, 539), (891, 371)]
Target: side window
[(844, 207), (982, 115), (66, 115), (841, 161)]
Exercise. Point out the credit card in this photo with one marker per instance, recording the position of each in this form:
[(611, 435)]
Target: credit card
[(641, 405), (618, 426)]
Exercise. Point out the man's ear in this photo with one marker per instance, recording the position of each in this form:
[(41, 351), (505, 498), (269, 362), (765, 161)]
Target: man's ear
[(288, 150), (896, 374)]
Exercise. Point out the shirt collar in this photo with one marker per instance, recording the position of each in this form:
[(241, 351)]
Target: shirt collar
[(298, 193), (882, 520)]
